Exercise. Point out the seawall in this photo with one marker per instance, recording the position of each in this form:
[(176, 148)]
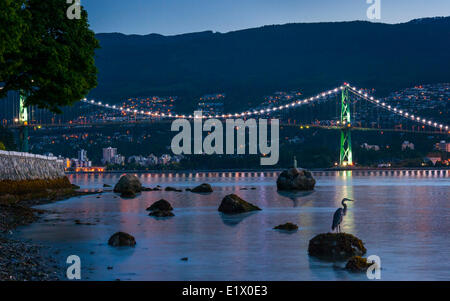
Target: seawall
[(16, 166)]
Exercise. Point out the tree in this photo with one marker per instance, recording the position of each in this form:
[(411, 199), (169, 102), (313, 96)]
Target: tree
[(12, 28), (50, 57)]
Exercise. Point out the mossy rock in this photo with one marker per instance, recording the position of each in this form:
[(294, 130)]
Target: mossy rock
[(33, 186), (160, 205), (287, 227), (128, 183), (233, 204), (338, 246), (106, 185), (121, 239), (357, 264), (204, 188)]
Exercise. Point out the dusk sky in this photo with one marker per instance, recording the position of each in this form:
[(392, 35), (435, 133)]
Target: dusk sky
[(170, 17)]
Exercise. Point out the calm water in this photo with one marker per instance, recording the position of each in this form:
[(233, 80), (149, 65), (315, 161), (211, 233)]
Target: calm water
[(403, 217)]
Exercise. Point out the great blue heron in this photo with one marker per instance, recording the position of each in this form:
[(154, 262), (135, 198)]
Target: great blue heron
[(339, 216)]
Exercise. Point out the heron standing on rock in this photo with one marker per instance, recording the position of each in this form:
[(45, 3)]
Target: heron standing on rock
[(339, 216)]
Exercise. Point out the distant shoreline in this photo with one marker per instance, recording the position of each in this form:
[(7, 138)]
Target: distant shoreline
[(263, 170)]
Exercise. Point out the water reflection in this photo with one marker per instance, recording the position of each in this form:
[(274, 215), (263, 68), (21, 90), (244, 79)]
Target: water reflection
[(234, 219), (400, 214), (297, 198)]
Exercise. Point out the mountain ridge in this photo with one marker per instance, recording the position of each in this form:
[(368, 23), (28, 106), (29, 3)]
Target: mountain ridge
[(249, 63)]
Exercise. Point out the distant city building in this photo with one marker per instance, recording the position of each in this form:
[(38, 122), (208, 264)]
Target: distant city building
[(81, 161), (165, 159), (153, 160), (443, 146), (406, 145), (370, 147), (108, 154), (383, 165), (82, 155)]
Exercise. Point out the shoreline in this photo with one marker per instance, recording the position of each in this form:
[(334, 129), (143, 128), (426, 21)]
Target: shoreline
[(261, 170), (25, 260)]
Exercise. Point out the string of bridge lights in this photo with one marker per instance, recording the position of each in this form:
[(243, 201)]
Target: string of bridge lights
[(242, 114), (320, 96), (395, 110)]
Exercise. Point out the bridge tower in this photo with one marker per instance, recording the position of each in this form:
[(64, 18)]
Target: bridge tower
[(346, 157), (23, 121)]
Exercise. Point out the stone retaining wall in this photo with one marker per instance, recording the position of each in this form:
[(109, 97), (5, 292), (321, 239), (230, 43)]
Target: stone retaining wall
[(17, 166)]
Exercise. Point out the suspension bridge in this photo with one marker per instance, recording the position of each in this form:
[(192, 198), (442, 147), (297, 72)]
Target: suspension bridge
[(354, 109)]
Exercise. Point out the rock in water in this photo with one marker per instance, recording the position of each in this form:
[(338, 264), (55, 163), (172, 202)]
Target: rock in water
[(232, 204), (129, 194), (296, 179), (127, 183), (357, 264), (203, 188), (121, 239), (160, 205), (287, 227), (336, 246), (172, 189), (161, 213)]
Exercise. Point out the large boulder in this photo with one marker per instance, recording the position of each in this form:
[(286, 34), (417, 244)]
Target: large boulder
[(121, 239), (336, 246), (128, 183), (287, 227), (357, 264), (202, 188), (232, 204), (296, 179), (160, 205)]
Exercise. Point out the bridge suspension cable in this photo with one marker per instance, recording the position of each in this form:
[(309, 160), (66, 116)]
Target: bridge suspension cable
[(358, 92)]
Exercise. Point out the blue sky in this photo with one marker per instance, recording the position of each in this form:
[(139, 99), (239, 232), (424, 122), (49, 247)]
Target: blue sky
[(170, 17)]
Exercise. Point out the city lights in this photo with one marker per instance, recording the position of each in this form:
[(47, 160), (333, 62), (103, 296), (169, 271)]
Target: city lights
[(358, 92)]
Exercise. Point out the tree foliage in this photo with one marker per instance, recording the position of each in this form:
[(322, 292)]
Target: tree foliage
[(12, 28), (45, 54)]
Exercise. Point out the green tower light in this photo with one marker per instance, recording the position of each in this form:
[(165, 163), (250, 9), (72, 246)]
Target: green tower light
[(346, 157), (23, 121)]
